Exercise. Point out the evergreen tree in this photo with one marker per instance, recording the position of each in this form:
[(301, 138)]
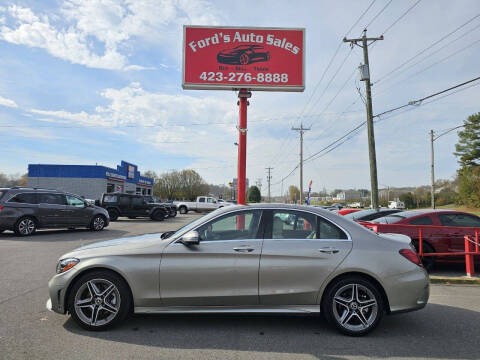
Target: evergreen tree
[(468, 146), (253, 194)]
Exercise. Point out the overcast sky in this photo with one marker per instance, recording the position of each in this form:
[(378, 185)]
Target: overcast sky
[(99, 81)]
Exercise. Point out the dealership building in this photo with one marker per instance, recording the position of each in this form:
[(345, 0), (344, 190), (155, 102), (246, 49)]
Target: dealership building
[(90, 181)]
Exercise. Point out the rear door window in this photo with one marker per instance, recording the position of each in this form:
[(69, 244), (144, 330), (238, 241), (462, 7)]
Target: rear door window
[(137, 200), (294, 225), (423, 220), (26, 198), (52, 199), (124, 200), (328, 230)]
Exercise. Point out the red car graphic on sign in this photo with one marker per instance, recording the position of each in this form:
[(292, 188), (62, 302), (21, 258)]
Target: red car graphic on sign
[(243, 55)]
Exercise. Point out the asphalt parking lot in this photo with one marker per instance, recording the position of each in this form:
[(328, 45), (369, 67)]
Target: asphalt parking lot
[(446, 329)]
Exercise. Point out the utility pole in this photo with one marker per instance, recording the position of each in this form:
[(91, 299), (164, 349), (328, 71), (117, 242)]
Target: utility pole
[(432, 169), (365, 76), (301, 129), (269, 177)]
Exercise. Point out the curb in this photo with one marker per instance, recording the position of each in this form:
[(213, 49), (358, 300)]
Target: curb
[(449, 280)]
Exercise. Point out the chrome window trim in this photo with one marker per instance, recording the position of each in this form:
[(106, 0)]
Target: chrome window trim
[(231, 211)]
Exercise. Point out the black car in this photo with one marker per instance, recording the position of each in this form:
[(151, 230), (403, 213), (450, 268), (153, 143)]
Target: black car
[(24, 210), (243, 55), (370, 214), (132, 206)]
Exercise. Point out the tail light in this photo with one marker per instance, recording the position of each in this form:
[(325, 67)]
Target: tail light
[(411, 255), (1, 207)]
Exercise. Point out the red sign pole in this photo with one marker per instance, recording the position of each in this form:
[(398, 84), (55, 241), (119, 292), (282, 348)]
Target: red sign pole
[(243, 95)]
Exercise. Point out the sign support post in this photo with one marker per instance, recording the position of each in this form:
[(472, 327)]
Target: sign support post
[(243, 95)]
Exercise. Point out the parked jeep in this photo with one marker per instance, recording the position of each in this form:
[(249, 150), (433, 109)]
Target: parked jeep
[(132, 206), (168, 205)]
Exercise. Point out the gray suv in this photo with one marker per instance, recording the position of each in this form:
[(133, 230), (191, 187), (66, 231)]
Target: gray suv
[(24, 210)]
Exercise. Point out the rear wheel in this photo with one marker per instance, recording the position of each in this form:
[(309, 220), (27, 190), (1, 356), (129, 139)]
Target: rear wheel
[(113, 214), (244, 59), (99, 300), (353, 305), (183, 210), (25, 226), (158, 215), (428, 261), (98, 223)]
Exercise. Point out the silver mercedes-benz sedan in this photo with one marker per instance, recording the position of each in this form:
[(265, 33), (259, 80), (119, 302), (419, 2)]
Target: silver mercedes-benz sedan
[(256, 258)]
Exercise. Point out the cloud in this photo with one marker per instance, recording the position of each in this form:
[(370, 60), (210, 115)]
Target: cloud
[(99, 33), (7, 102)]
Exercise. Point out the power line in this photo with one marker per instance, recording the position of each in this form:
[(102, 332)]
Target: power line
[(428, 48), (419, 101), (401, 17), (378, 14)]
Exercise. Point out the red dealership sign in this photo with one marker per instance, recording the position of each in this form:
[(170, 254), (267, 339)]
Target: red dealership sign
[(225, 58)]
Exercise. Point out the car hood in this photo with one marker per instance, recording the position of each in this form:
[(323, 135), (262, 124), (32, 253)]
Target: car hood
[(230, 52), (120, 246)]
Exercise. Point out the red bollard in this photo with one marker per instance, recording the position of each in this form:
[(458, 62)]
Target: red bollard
[(420, 242), (469, 264)]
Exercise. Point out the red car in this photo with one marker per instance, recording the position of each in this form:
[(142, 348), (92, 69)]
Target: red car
[(447, 235), (347, 211)]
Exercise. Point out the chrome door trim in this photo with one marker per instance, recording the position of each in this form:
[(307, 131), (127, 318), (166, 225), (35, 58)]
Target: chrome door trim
[(296, 309)]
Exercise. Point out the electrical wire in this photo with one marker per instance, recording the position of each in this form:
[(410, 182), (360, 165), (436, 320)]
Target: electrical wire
[(401, 17), (378, 14)]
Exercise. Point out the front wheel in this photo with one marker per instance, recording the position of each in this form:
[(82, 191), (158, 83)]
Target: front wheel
[(158, 215), (99, 300), (98, 223), (353, 305)]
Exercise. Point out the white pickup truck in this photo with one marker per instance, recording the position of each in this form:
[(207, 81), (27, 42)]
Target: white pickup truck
[(203, 204)]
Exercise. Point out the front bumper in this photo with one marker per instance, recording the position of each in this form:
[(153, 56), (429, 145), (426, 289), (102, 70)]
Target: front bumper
[(57, 288)]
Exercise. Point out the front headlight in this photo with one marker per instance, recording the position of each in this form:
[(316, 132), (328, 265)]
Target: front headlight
[(66, 264)]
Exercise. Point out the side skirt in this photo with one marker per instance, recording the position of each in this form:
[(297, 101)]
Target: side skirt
[(294, 309)]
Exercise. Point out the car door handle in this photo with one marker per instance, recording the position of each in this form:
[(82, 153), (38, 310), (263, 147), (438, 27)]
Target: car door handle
[(328, 250), (243, 249)]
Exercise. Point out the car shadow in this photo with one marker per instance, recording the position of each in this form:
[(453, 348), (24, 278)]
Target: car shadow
[(438, 331), (62, 235)]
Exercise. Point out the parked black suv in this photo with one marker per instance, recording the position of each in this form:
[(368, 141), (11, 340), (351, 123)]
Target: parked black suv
[(172, 208), (133, 206), (24, 210)]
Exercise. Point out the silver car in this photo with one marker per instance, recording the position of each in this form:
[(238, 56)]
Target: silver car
[(257, 258)]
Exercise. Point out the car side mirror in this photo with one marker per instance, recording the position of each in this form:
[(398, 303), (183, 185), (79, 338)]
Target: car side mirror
[(190, 238)]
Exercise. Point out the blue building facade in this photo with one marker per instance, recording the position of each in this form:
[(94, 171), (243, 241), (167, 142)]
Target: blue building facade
[(90, 181)]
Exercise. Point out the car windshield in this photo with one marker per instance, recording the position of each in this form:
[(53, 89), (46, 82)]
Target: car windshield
[(195, 223)]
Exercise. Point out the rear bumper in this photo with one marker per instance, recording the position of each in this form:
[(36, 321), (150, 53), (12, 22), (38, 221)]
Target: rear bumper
[(408, 291)]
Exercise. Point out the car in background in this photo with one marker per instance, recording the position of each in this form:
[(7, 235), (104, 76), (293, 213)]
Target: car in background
[(245, 259), (347, 211), (243, 55), (168, 205), (370, 214), (23, 210), (132, 206), (447, 235), (203, 204)]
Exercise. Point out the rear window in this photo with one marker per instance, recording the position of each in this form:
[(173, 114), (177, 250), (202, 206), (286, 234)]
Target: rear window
[(460, 220), (27, 198), (110, 199)]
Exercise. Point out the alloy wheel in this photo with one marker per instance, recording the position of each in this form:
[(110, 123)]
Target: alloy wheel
[(26, 226), (355, 307), (97, 302), (98, 223)]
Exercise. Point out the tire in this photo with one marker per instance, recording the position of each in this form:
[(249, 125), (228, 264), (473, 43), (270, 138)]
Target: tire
[(113, 214), (25, 226), (183, 210), (158, 215), (427, 261), (174, 213), (92, 294), (97, 223), (353, 305)]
